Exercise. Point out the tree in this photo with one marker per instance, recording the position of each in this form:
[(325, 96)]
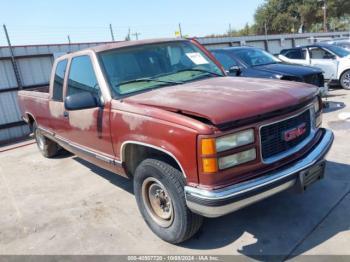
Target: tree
[(284, 16)]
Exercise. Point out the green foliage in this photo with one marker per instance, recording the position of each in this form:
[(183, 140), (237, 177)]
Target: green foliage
[(288, 16), (285, 16)]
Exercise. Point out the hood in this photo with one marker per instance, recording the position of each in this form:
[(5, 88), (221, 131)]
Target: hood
[(224, 99), (288, 69)]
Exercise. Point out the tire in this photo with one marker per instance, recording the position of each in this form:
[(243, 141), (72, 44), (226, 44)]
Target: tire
[(154, 177), (47, 147), (345, 80)]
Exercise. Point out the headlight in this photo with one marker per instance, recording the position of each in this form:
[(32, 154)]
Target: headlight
[(235, 140), (277, 76), (236, 159)]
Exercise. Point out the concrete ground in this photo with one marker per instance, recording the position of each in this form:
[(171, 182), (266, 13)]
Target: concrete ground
[(68, 206)]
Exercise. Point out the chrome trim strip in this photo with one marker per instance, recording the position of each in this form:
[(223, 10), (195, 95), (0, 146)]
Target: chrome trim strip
[(108, 159), (46, 130), (295, 149), (92, 153), (316, 155), (80, 148), (122, 152)]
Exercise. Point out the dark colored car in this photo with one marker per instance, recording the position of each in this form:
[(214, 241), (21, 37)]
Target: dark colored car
[(254, 62)]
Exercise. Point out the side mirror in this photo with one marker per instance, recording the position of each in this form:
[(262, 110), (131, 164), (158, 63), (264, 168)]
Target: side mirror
[(80, 101), (235, 70)]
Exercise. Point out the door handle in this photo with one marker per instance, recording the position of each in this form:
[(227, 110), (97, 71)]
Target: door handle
[(65, 114)]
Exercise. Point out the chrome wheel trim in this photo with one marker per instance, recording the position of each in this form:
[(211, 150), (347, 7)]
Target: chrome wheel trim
[(157, 202), (40, 139), (345, 80)]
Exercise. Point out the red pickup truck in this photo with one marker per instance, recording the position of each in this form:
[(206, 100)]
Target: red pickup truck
[(195, 141)]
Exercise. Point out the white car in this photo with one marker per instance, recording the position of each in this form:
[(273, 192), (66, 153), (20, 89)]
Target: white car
[(342, 42), (333, 60)]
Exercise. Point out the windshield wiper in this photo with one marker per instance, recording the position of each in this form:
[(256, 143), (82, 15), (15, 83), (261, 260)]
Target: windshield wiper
[(149, 79), (198, 70)]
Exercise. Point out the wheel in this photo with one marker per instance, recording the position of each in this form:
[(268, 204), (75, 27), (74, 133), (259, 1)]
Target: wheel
[(345, 80), (159, 192), (47, 147)]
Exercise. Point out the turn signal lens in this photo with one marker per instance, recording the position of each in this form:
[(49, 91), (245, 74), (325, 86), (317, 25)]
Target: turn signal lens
[(208, 146), (210, 165)]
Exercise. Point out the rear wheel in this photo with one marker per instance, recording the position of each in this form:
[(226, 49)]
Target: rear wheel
[(159, 192), (47, 147), (345, 80)]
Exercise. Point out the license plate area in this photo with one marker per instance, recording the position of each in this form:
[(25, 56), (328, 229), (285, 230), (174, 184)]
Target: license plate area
[(309, 176)]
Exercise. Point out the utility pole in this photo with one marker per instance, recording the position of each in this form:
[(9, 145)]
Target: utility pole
[(68, 37), (111, 30), (136, 34), (180, 30), (13, 60), (266, 40), (229, 30), (128, 36), (324, 16)]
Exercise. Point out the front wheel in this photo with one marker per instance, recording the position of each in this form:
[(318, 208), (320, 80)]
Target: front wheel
[(345, 80), (159, 192)]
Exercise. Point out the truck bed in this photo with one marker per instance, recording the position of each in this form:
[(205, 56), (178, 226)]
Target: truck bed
[(34, 104), (40, 92)]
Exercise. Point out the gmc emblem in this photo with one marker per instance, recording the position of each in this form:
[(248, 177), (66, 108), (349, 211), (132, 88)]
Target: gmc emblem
[(294, 133)]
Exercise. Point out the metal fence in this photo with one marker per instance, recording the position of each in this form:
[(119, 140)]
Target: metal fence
[(34, 66)]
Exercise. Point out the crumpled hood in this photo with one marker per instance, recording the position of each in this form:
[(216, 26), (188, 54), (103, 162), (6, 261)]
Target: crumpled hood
[(225, 99), (288, 69)]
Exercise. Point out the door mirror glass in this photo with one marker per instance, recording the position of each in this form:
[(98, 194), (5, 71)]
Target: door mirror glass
[(82, 100)]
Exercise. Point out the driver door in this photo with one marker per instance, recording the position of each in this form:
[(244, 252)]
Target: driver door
[(324, 60), (88, 129)]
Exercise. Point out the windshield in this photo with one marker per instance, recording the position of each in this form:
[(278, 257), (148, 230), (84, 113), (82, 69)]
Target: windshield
[(339, 51), (255, 57), (141, 68)]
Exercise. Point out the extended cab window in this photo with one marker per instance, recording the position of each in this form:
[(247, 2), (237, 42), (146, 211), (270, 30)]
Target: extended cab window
[(295, 54), (57, 93), (82, 76)]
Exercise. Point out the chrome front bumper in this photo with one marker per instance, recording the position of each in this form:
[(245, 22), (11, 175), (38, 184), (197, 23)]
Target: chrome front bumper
[(219, 202)]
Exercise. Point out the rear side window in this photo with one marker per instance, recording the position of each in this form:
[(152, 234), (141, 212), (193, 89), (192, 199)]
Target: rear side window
[(82, 77), (294, 54), (57, 93)]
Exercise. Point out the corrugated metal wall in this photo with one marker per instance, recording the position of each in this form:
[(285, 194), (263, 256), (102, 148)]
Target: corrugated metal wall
[(35, 62)]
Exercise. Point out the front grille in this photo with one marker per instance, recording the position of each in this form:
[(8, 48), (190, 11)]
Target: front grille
[(272, 136), (315, 79)]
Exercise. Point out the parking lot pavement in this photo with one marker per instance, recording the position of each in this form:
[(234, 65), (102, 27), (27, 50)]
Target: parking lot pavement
[(68, 206)]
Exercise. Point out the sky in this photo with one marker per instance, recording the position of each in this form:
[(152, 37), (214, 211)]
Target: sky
[(47, 22)]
